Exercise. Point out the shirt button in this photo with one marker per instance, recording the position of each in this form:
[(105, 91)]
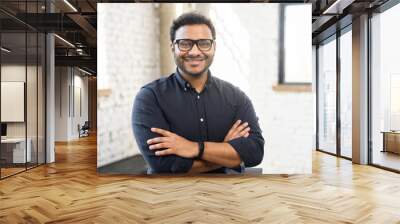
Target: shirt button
[(198, 97), (201, 119), (185, 89), (187, 84)]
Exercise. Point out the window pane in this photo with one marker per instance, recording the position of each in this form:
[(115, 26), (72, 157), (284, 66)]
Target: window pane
[(346, 93), (386, 88), (327, 96), (13, 86), (23, 88), (298, 43)]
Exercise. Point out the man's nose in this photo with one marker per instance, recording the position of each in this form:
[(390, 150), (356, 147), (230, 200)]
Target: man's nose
[(195, 50)]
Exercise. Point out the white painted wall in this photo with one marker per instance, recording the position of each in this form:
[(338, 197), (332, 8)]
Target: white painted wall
[(61, 103), (67, 81), (15, 72), (247, 56)]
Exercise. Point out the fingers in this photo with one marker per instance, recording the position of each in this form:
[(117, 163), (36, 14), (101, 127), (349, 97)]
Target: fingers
[(244, 131), (161, 131), (164, 152), (159, 146), (234, 127), (236, 124), (240, 129), (157, 140), (243, 126)]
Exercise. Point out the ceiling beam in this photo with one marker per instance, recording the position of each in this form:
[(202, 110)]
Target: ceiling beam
[(84, 61), (83, 23), (337, 7)]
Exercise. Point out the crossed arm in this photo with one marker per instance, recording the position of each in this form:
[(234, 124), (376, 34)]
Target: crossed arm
[(166, 152), (215, 154)]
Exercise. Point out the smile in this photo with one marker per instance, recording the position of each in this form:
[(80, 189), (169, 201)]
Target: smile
[(193, 59), (194, 62)]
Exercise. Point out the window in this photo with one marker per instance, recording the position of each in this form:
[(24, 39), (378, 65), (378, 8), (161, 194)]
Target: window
[(346, 93), (22, 72), (327, 96), (295, 51), (385, 88)]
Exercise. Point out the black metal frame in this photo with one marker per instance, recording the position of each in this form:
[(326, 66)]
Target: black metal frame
[(339, 32), (37, 164), (369, 91), (338, 98), (0, 92), (317, 96)]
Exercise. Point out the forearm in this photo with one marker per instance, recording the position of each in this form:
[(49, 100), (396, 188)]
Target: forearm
[(201, 166), (222, 154)]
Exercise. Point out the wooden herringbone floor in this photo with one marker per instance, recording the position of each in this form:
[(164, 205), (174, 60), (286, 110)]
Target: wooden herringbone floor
[(70, 191)]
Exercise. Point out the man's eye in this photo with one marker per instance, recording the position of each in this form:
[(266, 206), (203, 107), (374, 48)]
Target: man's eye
[(185, 44), (204, 44)]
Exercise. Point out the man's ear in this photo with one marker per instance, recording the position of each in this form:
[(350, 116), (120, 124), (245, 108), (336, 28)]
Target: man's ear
[(172, 47)]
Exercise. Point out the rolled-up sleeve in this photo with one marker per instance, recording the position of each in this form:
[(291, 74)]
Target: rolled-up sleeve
[(146, 114), (250, 149)]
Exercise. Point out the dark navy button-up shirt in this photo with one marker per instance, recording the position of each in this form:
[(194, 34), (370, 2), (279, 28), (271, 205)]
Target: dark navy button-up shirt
[(171, 103)]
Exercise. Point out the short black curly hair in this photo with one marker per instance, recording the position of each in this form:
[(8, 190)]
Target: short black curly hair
[(190, 18)]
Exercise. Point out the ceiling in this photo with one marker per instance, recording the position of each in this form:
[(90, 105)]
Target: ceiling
[(328, 16), (76, 22)]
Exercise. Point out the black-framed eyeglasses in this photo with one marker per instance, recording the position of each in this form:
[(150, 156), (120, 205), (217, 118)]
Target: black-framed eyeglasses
[(187, 44)]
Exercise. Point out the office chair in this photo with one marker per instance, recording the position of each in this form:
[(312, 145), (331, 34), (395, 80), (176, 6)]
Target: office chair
[(84, 130)]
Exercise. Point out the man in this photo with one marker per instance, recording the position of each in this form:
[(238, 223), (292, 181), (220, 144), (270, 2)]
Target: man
[(191, 121)]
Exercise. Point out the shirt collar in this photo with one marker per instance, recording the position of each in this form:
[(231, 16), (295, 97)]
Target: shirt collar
[(186, 85)]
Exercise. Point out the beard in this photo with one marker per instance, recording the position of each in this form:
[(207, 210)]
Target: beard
[(180, 62)]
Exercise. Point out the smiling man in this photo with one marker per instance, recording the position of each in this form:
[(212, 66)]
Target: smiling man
[(191, 121)]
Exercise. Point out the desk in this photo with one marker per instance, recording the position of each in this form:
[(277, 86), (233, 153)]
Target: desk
[(15, 148), (391, 141)]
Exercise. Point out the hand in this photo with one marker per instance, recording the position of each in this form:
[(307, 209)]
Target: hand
[(172, 144), (238, 130)]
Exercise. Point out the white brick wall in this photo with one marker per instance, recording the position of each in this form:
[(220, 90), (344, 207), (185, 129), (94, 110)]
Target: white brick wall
[(128, 58), (247, 56)]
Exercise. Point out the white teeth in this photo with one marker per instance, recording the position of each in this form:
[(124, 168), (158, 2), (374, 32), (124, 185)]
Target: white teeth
[(193, 59)]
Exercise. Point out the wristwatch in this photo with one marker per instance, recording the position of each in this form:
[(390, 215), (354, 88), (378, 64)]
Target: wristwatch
[(201, 150)]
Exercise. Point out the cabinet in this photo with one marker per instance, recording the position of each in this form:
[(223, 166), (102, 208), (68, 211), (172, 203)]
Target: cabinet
[(391, 141)]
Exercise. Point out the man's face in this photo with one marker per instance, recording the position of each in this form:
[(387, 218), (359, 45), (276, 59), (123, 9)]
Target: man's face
[(193, 62)]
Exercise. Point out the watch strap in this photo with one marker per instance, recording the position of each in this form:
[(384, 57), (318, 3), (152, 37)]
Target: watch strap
[(201, 150)]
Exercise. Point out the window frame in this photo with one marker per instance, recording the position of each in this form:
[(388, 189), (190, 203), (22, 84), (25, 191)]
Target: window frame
[(288, 85), (333, 37)]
